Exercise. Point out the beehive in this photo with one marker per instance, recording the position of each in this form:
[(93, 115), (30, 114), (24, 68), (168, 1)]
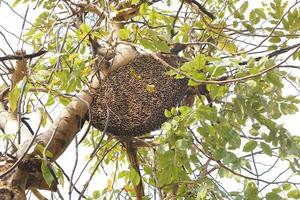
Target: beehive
[(136, 96)]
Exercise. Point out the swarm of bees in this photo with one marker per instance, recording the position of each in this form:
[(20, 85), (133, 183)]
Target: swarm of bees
[(132, 100)]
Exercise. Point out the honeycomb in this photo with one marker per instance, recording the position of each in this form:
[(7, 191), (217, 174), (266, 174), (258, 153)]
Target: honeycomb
[(136, 95)]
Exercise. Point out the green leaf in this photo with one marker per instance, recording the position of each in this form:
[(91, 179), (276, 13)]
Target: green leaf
[(124, 34), (234, 139), (253, 18), (122, 174), (218, 71), (251, 83), (50, 100), (16, 2), (229, 158), (13, 98), (294, 194), (244, 7), (44, 116), (273, 196), (250, 146), (251, 192), (143, 8), (207, 112), (174, 111), (235, 24), (37, 36), (286, 186), (65, 101), (148, 169), (135, 1), (134, 176), (220, 154), (288, 108), (41, 150), (227, 46), (162, 46), (60, 176), (168, 114), (273, 109), (183, 144), (46, 173), (260, 13), (249, 27), (96, 194), (85, 28), (254, 132), (275, 40), (266, 148), (275, 79), (147, 44)]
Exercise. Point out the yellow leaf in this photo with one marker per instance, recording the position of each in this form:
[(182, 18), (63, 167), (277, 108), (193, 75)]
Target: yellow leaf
[(86, 71), (150, 88), (13, 97), (129, 188), (109, 184), (243, 55), (135, 74), (44, 116), (228, 46), (72, 56), (231, 47), (124, 34)]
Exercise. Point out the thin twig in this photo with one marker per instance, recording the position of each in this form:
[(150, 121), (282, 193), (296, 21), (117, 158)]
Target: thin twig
[(103, 133), (8, 44), (68, 178), (175, 19), (95, 169), (74, 168), (23, 27)]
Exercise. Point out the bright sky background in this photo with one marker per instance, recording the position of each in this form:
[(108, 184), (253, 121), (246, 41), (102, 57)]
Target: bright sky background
[(13, 23)]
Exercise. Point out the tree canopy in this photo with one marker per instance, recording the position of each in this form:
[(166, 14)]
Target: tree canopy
[(226, 139)]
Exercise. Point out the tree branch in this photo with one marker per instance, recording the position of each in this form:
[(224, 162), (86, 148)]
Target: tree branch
[(20, 57), (274, 53), (203, 9)]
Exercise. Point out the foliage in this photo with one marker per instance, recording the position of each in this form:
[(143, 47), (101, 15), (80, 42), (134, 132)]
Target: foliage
[(242, 57)]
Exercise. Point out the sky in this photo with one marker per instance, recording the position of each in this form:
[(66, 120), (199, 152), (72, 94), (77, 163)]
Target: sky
[(12, 23)]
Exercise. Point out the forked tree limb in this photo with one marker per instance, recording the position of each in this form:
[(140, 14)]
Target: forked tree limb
[(124, 53), (57, 138), (12, 187), (65, 128)]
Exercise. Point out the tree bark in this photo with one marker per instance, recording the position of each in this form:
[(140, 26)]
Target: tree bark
[(24, 172), (27, 174)]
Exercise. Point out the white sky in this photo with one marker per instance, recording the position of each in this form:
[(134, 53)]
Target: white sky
[(13, 24)]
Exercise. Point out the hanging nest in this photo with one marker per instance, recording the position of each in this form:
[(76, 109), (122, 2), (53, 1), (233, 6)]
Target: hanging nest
[(136, 96)]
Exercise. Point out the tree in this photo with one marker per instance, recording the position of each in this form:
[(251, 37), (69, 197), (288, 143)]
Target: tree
[(237, 61)]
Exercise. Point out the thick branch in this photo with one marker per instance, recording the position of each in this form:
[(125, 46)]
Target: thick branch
[(13, 187)]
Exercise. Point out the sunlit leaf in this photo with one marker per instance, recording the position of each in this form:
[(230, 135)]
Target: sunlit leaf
[(46, 173), (250, 146)]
